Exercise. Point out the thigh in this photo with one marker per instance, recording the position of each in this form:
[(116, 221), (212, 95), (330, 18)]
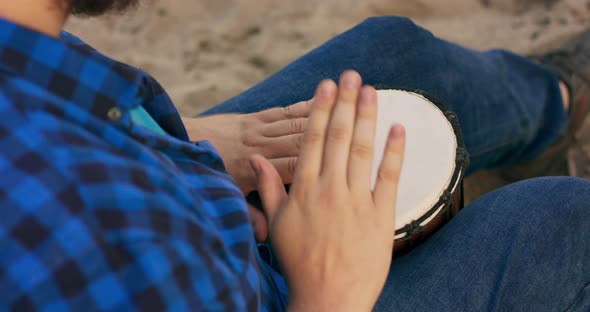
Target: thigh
[(525, 247), (509, 108)]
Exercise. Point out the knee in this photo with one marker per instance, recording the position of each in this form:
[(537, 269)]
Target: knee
[(398, 45), (389, 22), (559, 200), (400, 28), (530, 213), (562, 189)]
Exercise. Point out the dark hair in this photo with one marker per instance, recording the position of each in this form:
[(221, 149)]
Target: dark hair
[(98, 7)]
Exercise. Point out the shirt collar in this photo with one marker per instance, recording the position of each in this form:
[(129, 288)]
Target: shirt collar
[(69, 69)]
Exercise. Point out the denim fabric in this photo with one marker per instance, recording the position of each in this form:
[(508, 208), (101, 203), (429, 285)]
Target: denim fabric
[(509, 108), (525, 247)]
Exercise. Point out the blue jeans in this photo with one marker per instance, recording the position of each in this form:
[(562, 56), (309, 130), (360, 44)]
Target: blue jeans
[(525, 247)]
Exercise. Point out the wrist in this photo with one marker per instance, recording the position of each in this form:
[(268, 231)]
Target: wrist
[(196, 128), (323, 303)]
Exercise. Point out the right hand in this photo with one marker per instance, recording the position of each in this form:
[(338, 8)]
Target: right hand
[(333, 236)]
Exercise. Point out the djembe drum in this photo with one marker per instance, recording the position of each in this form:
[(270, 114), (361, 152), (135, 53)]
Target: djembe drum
[(430, 190)]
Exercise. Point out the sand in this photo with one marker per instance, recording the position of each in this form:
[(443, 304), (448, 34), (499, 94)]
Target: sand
[(205, 51)]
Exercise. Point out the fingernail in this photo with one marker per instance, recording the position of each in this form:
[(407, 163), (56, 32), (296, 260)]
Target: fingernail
[(397, 131), (349, 81)]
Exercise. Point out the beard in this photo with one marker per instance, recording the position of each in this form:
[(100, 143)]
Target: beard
[(99, 7)]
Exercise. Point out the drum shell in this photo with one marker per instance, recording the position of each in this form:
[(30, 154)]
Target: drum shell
[(418, 233), (452, 199)]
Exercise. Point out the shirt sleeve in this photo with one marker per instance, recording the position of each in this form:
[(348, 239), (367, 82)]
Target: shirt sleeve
[(95, 231)]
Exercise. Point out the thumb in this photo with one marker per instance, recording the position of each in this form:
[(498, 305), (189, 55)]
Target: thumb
[(259, 224), (270, 186)]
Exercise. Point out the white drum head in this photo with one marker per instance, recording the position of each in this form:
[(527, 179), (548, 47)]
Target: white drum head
[(431, 145)]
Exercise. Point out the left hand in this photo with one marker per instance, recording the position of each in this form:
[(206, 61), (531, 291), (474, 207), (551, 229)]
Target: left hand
[(276, 134)]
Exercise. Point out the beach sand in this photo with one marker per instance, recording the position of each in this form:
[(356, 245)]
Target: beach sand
[(206, 51)]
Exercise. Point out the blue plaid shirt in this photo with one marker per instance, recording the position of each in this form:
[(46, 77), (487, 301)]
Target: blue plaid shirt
[(98, 213)]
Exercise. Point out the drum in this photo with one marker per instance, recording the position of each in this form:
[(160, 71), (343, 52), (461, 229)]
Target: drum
[(430, 190)]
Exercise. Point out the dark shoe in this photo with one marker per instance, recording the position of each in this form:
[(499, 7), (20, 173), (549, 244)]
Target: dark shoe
[(572, 63)]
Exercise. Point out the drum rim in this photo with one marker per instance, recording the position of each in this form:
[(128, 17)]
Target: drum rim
[(455, 184)]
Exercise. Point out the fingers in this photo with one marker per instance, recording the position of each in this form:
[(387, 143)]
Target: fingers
[(385, 192), (258, 223), (298, 110), (310, 158), (340, 129), (270, 187), (286, 168), (280, 147), (361, 147), (285, 127)]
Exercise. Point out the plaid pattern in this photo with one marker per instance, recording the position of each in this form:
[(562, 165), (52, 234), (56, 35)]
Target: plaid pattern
[(97, 213)]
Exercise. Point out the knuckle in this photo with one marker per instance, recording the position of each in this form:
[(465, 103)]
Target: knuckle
[(261, 116), (244, 122), (389, 173), (296, 125), (287, 111), (339, 134), (367, 114), (247, 123), (313, 137), (292, 166), (250, 141), (299, 143), (360, 150), (298, 193), (273, 111), (335, 199), (393, 158), (304, 108)]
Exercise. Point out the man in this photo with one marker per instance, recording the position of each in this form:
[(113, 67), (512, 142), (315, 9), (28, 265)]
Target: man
[(106, 205)]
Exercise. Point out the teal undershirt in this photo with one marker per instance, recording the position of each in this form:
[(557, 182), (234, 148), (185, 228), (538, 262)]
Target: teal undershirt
[(142, 118)]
